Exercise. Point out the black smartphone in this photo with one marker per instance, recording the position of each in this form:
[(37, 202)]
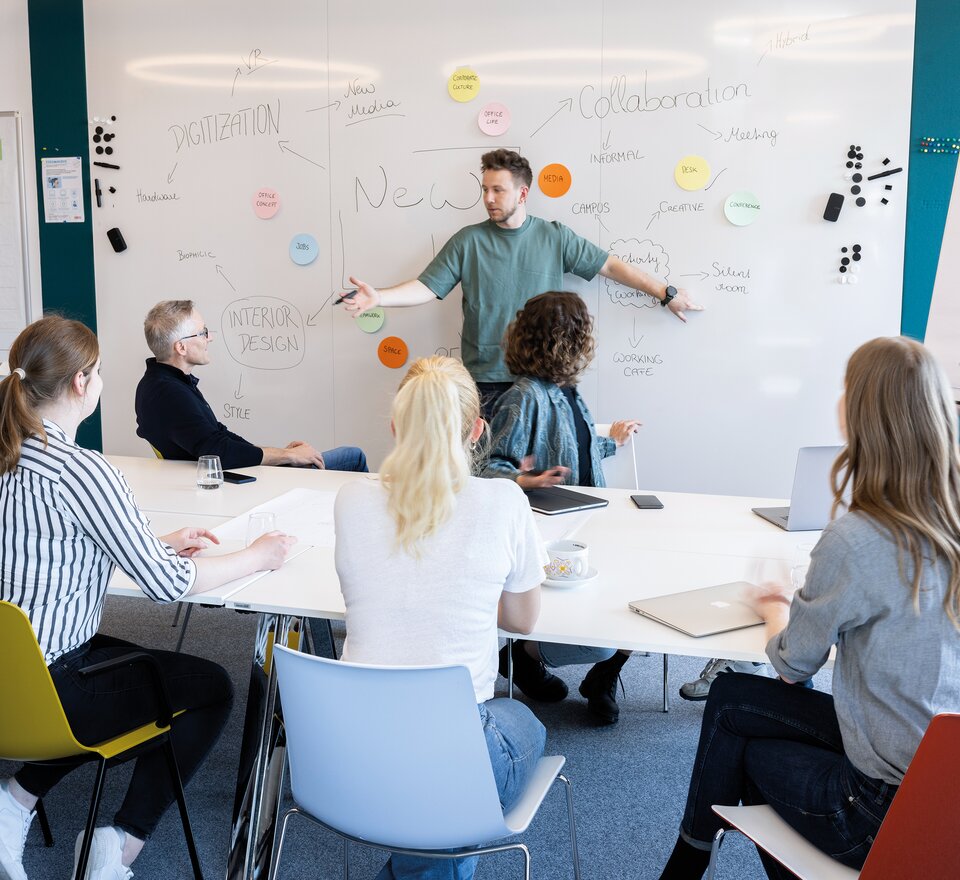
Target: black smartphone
[(644, 502), (233, 477)]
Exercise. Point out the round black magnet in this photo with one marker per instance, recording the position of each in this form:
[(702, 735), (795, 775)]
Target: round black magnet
[(854, 189), (99, 151), (859, 155), (849, 164), (113, 118), (858, 165), (856, 177), (845, 261), (97, 139), (843, 268), (852, 147), (857, 148), (109, 151), (857, 249), (856, 258), (861, 202), (852, 154), (98, 130), (843, 250)]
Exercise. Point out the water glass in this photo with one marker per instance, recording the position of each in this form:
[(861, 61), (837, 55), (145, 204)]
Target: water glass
[(259, 524), (209, 472)]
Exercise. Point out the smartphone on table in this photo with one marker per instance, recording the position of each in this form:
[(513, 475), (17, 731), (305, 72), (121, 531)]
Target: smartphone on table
[(644, 502), (234, 477)]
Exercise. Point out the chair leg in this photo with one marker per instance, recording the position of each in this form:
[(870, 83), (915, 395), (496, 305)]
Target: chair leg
[(666, 691), (275, 866), (510, 668), (176, 617), (714, 852), (346, 859), (44, 824), (182, 804), (526, 860), (81, 871), (574, 849), (183, 629)]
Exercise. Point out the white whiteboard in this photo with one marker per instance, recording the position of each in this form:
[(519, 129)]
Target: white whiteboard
[(943, 326), (275, 96), (14, 267)]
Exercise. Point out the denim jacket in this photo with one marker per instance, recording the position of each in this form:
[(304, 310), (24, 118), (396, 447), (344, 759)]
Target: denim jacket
[(533, 418)]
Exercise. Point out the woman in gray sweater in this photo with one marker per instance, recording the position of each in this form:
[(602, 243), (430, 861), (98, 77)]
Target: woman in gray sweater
[(884, 587)]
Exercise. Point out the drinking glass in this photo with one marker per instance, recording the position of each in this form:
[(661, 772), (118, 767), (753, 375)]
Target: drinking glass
[(259, 524), (209, 472)]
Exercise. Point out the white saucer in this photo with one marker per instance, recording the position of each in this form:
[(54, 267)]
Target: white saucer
[(572, 583)]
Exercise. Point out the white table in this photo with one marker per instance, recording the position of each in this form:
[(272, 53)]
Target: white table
[(695, 541)]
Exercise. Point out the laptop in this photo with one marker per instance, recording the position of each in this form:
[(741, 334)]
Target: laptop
[(812, 497), (554, 500), (703, 612)]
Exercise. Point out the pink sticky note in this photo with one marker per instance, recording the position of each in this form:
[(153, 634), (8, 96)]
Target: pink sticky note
[(494, 119), (266, 202)]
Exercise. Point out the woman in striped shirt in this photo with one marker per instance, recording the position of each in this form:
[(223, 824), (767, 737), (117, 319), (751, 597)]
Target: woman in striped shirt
[(68, 519)]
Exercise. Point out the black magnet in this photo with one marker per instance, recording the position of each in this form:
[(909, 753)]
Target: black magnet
[(856, 258), (854, 189), (859, 155), (885, 201), (857, 249), (857, 178), (109, 151), (843, 268), (99, 151), (845, 261), (843, 250), (97, 139), (886, 161), (888, 187), (98, 130), (861, 202), (849, 164)]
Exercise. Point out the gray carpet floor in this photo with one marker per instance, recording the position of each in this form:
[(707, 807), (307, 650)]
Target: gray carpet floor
[(629, 780)]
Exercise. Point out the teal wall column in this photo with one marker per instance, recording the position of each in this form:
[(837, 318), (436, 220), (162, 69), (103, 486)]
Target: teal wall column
[(59, 80)]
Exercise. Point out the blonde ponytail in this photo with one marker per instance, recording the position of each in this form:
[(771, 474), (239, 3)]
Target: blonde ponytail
[(433, 415)]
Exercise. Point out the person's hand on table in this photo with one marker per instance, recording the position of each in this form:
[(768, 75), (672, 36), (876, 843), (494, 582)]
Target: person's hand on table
[(771, 601), (304, 455), (272, 549), (189, 541), (620, 431), (366, 297), (531, 479)]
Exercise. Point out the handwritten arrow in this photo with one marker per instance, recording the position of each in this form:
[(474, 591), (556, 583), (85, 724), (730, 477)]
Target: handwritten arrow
[(237, 395), (224, 277), (606, 143), (634, 340), (712, 182), (566, 101), (703, 275), (233, 88), (334, 104), (716, 134), (170, 175), (286, 149), (601, 223), (312, 319), (653, 217)]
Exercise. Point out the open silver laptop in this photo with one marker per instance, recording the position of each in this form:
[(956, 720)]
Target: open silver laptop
[(812, 497), (703, 612)]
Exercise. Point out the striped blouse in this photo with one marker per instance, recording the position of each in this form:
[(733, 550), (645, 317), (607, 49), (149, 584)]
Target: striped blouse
[(68, 519)]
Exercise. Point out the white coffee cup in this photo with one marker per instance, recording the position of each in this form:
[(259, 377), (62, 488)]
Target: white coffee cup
[(568, 560)]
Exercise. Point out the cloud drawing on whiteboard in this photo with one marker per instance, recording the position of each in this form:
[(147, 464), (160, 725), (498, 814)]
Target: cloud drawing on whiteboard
[(646, 255)]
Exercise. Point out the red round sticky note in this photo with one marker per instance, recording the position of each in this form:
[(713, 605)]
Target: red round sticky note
[(392, 352)]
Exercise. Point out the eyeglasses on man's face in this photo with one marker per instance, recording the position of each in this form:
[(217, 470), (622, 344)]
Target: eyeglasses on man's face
[(203, 334)]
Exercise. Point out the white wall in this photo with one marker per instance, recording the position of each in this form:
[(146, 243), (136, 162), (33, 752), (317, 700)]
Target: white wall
[(15, 94)]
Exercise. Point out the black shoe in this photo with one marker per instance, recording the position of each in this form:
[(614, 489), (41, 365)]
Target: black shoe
[(599, 686), (531, 675)]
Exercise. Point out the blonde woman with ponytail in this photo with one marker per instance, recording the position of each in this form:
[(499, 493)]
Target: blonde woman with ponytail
[(430, 559), (67, 520), (884, 588)]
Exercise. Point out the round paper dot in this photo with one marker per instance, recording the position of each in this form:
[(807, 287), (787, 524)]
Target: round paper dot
[(852, 279), (266, 202), (692, 172), (861, 202), (392, 352), (741, 208), (304, 249), (554, 180), (463, 85), (371, 320), (494, 119)]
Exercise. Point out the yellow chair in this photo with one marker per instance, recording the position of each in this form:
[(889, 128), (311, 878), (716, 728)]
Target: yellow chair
[(34, 727)]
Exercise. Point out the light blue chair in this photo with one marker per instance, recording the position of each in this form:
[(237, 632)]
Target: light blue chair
[(395, 758)]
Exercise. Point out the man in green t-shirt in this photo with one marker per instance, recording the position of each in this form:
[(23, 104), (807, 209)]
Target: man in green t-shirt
[(503, 262)]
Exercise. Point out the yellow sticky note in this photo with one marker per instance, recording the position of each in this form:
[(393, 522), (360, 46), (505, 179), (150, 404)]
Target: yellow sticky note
[(692, 172), (463, 85)]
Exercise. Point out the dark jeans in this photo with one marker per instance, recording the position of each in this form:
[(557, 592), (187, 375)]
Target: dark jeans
[(764, 741), (345, 458), (489, 395), (112, 703)]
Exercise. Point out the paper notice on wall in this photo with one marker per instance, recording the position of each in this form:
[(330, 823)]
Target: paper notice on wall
[(62, 182)]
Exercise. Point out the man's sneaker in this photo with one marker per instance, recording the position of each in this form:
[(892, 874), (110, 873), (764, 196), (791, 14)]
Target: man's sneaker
[(531, 675), (599, 686), (14, 824), (105, 861), (700, 687)]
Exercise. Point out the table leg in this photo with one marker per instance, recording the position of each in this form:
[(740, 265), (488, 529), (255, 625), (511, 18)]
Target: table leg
[(666, 692)]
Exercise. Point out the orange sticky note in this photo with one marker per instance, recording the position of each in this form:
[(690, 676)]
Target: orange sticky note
[(555, 180), (392, 352)]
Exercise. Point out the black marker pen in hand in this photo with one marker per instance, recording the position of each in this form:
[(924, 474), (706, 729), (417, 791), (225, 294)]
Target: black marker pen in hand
[(350, 294)]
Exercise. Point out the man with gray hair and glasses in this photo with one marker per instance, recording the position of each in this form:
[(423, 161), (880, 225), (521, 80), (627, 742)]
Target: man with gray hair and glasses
[(176, 420)]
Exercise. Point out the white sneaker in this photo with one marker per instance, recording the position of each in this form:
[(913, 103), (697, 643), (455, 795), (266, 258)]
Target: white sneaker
[(105, 856), (14, 824), (699, 688)]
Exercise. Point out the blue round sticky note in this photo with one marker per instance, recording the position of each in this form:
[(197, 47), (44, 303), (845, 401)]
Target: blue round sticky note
[(304, 249)]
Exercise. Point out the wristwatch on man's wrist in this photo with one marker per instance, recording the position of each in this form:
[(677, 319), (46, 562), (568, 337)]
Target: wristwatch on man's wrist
[(669, 294)]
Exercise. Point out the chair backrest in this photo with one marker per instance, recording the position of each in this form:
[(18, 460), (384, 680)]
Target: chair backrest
[(917, 838), (620, 470), (33, 726), (392, 755)]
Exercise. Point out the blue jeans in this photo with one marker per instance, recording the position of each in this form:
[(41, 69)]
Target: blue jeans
[(345, 458), (554, 654), (515, 741), (764, 741)]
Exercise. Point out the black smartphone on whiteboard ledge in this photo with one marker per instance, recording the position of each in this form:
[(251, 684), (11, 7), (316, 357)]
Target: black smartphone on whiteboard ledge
[(647, 502)]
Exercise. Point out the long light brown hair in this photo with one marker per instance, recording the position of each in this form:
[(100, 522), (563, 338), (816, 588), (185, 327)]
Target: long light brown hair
[(50, 352), (901, 460)]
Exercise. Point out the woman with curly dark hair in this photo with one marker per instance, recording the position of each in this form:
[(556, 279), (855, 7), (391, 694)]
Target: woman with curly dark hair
[(541, 419)]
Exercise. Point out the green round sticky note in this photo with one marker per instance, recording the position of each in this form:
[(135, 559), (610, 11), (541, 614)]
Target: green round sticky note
[(742, 208), (371, 320)]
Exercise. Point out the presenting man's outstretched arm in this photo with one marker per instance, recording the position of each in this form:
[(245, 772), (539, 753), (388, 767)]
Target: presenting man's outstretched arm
[(630, 276), (409, 293)]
